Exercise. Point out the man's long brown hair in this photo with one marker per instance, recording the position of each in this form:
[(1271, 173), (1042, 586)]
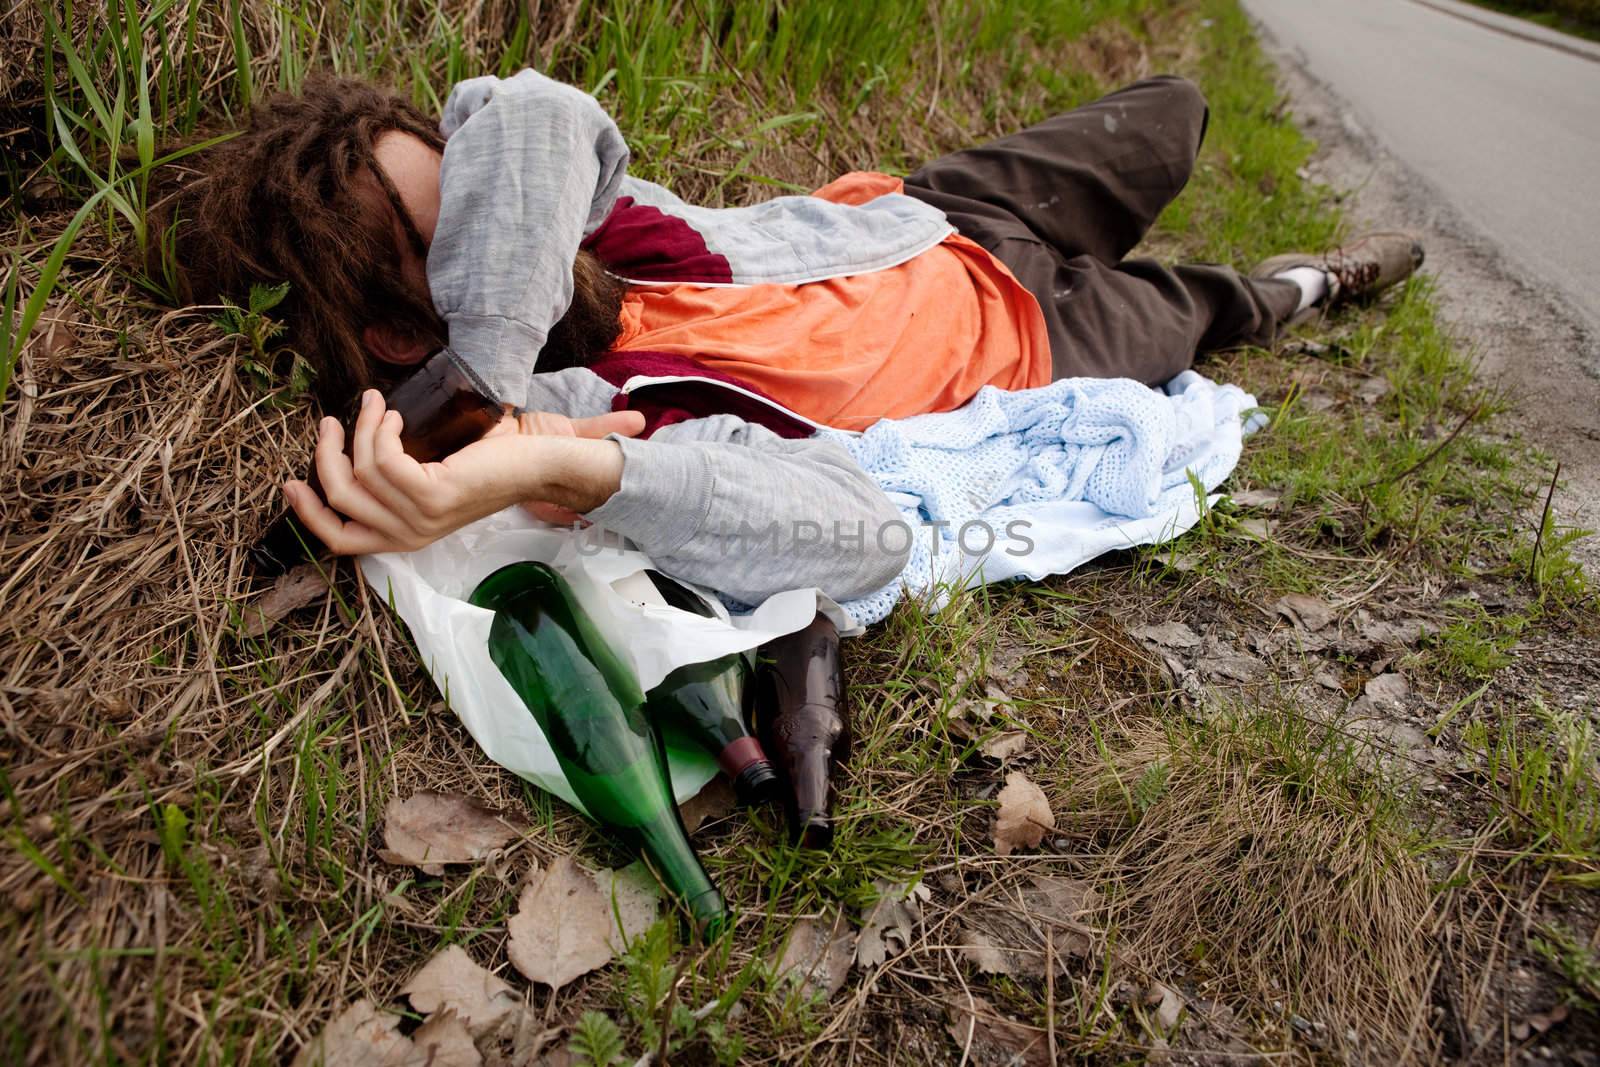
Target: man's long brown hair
[(288, 200)]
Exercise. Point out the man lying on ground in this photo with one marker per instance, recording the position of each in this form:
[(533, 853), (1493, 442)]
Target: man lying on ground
[(513, 233)]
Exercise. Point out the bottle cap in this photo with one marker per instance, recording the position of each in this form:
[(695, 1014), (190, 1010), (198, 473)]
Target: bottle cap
[(757, 784), (739, 754)]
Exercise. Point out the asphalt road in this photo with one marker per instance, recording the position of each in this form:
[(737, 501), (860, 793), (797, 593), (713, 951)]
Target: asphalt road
[(1504, 127)]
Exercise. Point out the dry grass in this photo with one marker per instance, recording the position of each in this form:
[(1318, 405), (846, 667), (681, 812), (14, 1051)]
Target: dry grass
[(138, 465), (1264, 862), (191, 807)]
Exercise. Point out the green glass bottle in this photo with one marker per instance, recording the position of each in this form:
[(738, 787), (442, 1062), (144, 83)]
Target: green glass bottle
[(706, 701), (587, 702)]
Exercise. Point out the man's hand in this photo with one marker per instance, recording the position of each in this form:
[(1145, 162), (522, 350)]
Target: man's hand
[(385, 501)]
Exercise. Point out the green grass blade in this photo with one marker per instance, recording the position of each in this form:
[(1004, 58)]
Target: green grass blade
[(51, 271)]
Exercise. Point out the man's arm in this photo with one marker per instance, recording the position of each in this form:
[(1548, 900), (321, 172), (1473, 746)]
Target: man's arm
[(717, 501), (530, 167), (732, 506)]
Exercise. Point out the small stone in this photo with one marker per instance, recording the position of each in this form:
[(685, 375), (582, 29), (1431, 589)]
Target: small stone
[(1387, 691)]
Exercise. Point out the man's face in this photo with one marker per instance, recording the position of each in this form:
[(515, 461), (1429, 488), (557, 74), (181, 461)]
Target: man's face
[(412, 167)]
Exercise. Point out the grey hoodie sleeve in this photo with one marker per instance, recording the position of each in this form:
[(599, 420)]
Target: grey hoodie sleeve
[(531, 166), (730, 505)]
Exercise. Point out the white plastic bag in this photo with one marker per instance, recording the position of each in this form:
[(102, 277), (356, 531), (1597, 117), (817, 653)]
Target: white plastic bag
[(429, 589)]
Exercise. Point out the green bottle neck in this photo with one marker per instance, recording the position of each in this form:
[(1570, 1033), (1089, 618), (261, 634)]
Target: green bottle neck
[(667, 849)]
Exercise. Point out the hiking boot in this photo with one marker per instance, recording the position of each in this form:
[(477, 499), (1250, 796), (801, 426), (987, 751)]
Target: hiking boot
[(1364, 267)]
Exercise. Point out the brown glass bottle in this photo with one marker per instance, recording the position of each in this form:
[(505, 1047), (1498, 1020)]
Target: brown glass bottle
[(444, 407), (801, 718)]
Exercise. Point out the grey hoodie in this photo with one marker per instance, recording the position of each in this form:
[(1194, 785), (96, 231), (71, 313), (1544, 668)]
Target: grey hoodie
[(533, 167)]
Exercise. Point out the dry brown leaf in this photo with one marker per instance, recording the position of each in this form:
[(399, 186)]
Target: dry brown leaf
[(1373, 389), (1234, 667), (443, 1041), (1403, 632), (716, 801), (295, 588), (562, 927), (429, 830), (1168, 1006), (989, 1039), (1260, 529), (1024, 817), (632, 899), (1257, 498), (359, 1036), (1018, 933), (1172, 634), (453, 982), (890, 922), (1003, 746), (55, 332), (817, 956), (987, 956), (1309, 612), (362, 1036)]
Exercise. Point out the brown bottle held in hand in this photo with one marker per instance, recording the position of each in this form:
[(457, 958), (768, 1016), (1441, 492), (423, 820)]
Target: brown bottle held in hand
[(800, 716), (444, 408)]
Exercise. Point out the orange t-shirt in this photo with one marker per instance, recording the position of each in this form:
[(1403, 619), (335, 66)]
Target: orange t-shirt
[(923, 336)]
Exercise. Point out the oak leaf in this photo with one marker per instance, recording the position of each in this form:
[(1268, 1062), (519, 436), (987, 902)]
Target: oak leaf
[(890, 922)]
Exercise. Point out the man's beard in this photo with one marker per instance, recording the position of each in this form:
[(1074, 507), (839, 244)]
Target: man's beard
[(592, 322)]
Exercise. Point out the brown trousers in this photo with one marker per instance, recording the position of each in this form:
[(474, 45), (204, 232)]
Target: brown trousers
[(1062, 203)]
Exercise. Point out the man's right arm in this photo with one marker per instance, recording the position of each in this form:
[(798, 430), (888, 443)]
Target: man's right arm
[(731, 505)]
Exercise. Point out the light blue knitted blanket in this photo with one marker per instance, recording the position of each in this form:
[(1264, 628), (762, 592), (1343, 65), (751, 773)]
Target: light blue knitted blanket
[(1038, 481)]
